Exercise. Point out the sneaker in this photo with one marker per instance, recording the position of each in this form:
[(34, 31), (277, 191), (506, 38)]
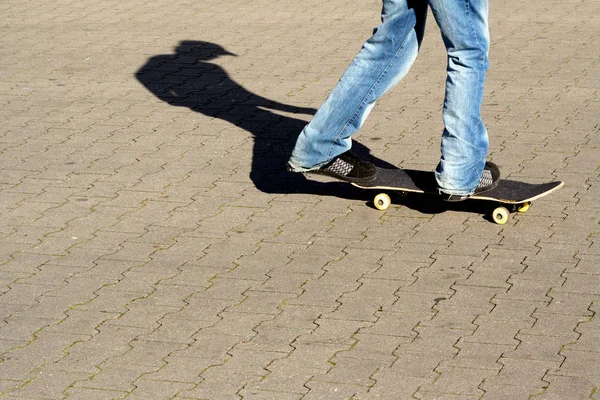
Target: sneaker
[(349, 168), (489, 180)]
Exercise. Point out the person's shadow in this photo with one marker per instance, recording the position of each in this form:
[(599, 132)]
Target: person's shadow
[(188, 78)]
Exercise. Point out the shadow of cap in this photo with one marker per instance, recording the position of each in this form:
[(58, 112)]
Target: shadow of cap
[(201, 50)]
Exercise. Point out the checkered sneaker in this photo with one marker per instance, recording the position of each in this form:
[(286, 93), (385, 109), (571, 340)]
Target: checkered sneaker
[(486, 179), (340, 167)]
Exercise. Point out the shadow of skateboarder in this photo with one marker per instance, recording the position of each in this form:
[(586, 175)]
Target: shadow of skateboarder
[(189, 78)]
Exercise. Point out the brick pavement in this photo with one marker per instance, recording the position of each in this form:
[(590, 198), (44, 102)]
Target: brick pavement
[(151, 247)]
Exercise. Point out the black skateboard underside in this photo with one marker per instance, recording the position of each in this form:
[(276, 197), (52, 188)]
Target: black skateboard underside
[(507, 191)]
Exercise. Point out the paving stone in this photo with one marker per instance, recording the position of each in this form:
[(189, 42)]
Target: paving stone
[(487, 277), (48, 348), (478, 356), (387, 385), (528, 290), (157, 390), (556, 325), (208, 346), (538, 348), (25, 294), (454, 317), (82, 359), (300, 316), (496, 332), (333, 390), (439, 342), (51, 275), (570, 303), (110, 340), (200, 309), (332, 331), (435, 282), (281, 282), (374, 347), (497, 389), (47, 384), (142, 315), (524, 372), (291, 380), (25, 328), (432, 396), (514, 310), (480, 297), (85, 393), (229, 378), (7, 345), (563, 387), (316, 294), (581, 283), (114, 377), (246, 325), (415, 302), (586, 265), (584, 343), (182, 369), (394, 270), (578, 363), (456, 382), (269, 395), (311, 355), (413, 365), (356, 309)]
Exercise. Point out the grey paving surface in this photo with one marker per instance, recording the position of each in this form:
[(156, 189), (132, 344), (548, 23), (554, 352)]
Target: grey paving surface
[(152, 247)]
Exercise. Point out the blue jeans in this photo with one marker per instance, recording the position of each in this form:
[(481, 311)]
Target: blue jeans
[(384, 60)]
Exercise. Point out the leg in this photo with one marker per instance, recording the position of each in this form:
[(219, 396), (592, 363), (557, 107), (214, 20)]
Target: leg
[(464, 27), (383, 60)]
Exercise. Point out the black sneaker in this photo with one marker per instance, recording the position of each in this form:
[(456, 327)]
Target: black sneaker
[(489, 180), (349, 168)]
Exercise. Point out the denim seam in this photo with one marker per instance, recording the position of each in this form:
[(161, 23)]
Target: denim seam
[(369, 92), (470, 15), (482, 56)]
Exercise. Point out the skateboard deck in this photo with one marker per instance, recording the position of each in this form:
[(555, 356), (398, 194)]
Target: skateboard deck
[(517, 195)]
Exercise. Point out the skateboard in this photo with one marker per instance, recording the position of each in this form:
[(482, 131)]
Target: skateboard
[(509, 196)]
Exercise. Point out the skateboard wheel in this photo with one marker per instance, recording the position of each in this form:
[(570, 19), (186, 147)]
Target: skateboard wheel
[(382, 201), (500, 215), (522, 208)]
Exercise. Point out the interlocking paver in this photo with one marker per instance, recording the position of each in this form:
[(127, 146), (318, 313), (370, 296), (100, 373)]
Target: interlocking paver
[(47, 384), (100, 394), (569, 387), (478, 356), (153, 246), (455, 382), (515, 310)]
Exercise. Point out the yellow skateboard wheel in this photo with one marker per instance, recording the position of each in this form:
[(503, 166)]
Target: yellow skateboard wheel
[(501, 215), (524, 207), (382, 201)]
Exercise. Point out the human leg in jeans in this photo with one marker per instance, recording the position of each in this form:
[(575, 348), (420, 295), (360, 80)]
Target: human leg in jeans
[(382, 61), (464, 28)]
